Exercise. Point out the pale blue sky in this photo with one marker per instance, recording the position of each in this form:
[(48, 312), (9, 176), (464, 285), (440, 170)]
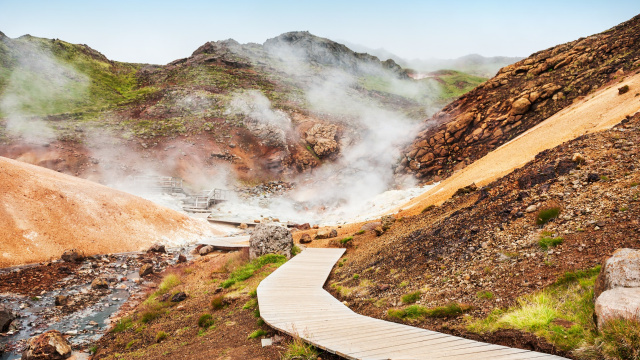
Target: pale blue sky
[(161, 31)]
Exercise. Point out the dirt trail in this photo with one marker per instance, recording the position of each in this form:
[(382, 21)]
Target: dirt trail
[(43, 212), (594, 113)]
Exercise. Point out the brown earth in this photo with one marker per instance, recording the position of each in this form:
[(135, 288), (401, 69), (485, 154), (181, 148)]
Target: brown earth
[(44, 212), (518, 98), (233, 322), (487, 240)]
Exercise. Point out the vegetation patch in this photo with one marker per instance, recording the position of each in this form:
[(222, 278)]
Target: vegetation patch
[(257, 333), (562, 314), (299, 350), (545, 215), (416, 311), (546, 242), (410, 298), (246, 271), (344, 241), (205, 321), (484, 294)]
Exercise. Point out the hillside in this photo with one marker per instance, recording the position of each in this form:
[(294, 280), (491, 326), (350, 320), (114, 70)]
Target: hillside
[(521, 96), (229, 107), (43, 213)]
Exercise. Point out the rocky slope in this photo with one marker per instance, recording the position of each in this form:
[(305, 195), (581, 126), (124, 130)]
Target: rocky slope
[(487, 247), (519, 97), (43, 213), (243, 108)]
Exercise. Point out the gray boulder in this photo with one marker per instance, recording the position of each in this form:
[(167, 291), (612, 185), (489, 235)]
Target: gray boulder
[(6, 317), (618, 303), (270, 239), (622, 269), (49, 346), (206, 250)]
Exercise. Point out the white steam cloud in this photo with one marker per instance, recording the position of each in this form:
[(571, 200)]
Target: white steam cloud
[(38, 85)]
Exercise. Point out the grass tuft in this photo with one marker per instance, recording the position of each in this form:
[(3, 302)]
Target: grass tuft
[(299, 350), (410, 298), (548, 242), (416, 311), (122, 325), (247, 271), (545, 215), (257, 333), (485, 294), (161, 335), (205, 321), (621, 339)]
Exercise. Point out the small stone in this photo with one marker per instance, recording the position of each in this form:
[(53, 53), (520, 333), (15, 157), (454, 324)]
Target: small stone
[(145, 270), (577, 158), (157, 248), (61, 300), (72, 255), (206, 250), (243, 226), (181, 259), (305, 239), (531, 208), (50, 345), (181, 296), (99, 283)]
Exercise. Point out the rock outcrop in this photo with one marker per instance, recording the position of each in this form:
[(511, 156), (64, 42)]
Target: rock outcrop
[(617, 289), (323, 139), (72, 255), (49, 346), (270, 239), (519, 97)]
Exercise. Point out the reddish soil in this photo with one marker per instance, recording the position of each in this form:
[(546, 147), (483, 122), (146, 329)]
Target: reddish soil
[(44, 212)]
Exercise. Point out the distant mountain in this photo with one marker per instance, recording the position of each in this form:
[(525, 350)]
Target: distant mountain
[(472, 64)]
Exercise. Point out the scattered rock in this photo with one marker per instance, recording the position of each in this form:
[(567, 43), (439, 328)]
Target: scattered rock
[(181, 259), (378, 230), (256, 221), (181, 296), (270, 239), (61, 300), (305, 239), (206, 250), (387, 221), (623, 90), (49, 346), (326, 233), (157, 248), (145, 270), (593, 177), (370, 226), (243, 226), (305, 226), (6, 317), (531, 208), (99, 283), (577, 158), (72, 255), (520, 106)]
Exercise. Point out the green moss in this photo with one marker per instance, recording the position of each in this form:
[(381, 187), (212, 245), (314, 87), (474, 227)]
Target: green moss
[(346, 240), (487, 295), (257, 333)]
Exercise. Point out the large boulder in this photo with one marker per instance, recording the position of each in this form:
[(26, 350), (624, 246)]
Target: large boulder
[(322, 138), (622, 269), (6, 317), (72, 255), (616, 304), (270, 239), (617, 289), (49, 346)]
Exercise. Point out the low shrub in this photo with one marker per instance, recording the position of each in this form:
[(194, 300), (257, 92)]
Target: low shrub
[(161, 335), (217, 302), (149, 316), (410, 298), (545, 215), (548, 242), (169, 282), (122, 325), (205, 320)]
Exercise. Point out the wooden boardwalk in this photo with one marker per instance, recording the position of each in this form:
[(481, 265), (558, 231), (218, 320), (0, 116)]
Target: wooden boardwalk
[(227, 242), (292, 300)]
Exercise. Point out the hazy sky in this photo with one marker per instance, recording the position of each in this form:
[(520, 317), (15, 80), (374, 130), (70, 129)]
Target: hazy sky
[(161, 31)]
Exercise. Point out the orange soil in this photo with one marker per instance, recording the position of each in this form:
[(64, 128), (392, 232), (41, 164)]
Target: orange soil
[(594, 113), (43, 213)]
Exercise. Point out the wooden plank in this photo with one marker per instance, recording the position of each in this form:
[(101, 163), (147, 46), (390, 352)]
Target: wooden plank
[(292, 300)]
